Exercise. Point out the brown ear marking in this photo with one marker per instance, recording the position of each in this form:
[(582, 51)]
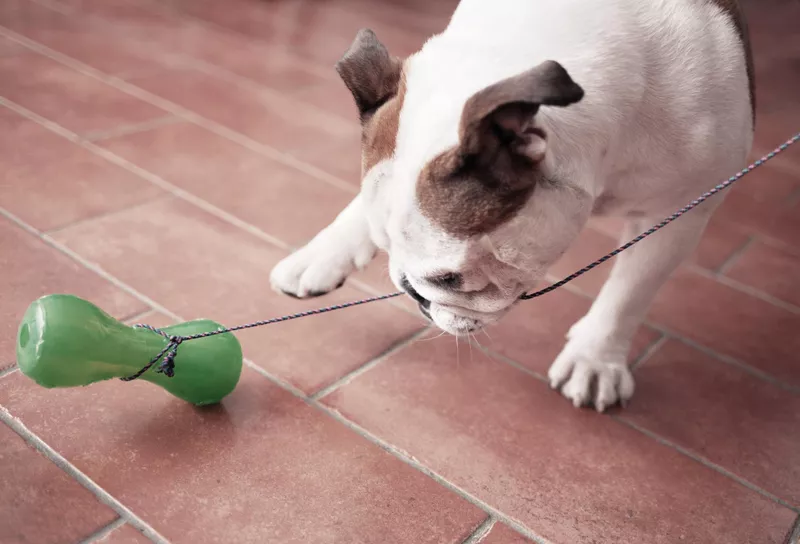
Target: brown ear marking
[(488, 177), (370, 73)]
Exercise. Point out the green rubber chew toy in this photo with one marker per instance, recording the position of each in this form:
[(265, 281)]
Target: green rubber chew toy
[(65, 341)]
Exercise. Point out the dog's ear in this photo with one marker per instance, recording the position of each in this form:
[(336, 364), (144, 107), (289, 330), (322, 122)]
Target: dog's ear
[(497, 122), (371, 74)]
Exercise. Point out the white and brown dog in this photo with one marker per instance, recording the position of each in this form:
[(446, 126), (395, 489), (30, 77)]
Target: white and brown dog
[(485, 153)]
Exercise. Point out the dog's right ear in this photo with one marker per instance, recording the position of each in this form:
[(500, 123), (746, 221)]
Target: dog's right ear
[(371, 74)]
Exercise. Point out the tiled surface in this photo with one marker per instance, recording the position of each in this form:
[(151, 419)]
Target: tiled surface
[(504, 436), (40, 504), (238, 142), (36, 163), (262, 467)]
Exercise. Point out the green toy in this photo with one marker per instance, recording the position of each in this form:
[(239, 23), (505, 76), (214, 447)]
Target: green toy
[(65, 341)]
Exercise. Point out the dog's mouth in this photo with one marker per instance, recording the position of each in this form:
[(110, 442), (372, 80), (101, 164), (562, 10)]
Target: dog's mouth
[(424, 303)]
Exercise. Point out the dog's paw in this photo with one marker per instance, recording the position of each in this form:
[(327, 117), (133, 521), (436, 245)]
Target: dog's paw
[(591, 377), (318, 268)]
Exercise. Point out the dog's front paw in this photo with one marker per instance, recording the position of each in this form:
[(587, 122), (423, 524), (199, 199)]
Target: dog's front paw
[(591, 377), (319, 268)]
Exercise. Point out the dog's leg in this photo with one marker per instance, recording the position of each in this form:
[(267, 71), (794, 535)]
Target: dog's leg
[(592, 368), (324, 263)]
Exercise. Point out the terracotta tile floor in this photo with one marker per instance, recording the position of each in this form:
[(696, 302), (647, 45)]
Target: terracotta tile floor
[(158, 158)]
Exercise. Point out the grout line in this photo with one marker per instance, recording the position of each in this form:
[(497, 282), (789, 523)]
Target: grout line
[(649, 351), (703, 461), (734, 257), (110, 213), (481, 531), (8, 370), (746, 289), (793, 537), (184, 113), (511, 362), (777, 244), (101, 494), (135, 128), (103, 532), (375, 361)]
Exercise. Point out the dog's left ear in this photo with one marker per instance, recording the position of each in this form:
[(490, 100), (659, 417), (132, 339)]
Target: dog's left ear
[(497, 122), (370, 72)]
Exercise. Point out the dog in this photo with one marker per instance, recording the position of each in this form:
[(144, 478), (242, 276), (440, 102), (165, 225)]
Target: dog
[(485, 153)]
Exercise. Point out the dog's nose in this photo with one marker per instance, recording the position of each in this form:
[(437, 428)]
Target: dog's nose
[(424, 303)]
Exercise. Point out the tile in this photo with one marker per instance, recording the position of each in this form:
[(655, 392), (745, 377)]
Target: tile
[(718, 244), (32, 269), (39, 503), (76, 37), (534, 332), (731, 323), (589, 246), (78, 102), (502, 534), (332, 97), (278, 199), (124, 535), (569, 475), (263, 466), (50, 182), (774, 270), (340, 157), (277, 121), (156, 28), (735, 420), (762, 204), (199, 266), (8, 47)]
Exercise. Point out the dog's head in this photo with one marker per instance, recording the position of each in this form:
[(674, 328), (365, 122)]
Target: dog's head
[(470, 209)]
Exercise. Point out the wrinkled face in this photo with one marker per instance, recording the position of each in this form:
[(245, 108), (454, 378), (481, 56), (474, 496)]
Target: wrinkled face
[(471, 227)]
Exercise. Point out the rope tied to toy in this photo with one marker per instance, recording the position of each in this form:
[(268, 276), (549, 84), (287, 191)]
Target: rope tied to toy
[(167, 355)]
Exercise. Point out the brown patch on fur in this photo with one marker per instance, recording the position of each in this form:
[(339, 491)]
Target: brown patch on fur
[(489, 176), (379, 132), (733, 9), (468, 199)]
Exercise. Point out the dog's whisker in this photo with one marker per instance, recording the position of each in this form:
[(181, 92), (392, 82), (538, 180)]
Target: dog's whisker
[(429, 338)]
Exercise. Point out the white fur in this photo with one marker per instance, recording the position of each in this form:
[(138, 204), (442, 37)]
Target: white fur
[(666, 115)]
